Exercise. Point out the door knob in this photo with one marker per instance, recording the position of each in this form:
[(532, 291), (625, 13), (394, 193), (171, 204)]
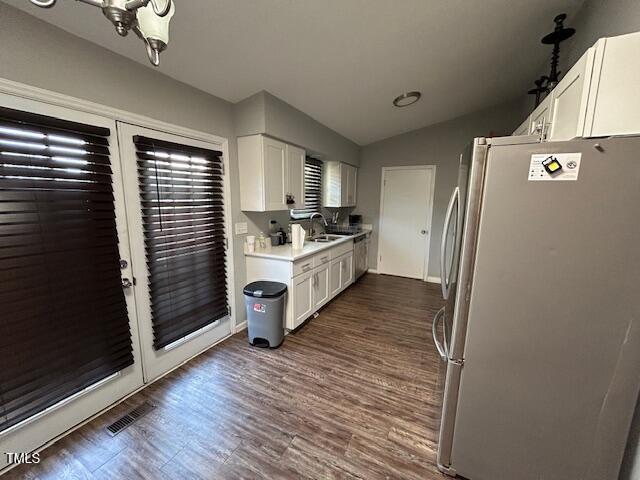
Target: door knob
[(423, 232)]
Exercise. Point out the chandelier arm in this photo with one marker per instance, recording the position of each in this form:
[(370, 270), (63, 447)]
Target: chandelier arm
[(135, 4), (161, 12)]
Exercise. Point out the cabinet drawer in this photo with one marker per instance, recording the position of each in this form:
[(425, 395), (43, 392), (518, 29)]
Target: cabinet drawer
[(321, 258), (303, 266), (341, 249)]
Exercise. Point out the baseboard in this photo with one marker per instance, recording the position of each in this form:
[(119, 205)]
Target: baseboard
[(433, 279), (241, 326), (372, 270)]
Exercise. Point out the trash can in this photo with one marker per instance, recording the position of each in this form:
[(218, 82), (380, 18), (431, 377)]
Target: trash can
[(265, 302)]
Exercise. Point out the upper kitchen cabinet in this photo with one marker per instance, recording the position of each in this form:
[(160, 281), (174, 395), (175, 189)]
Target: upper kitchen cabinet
[(596, 98), (271, 174), (615, 108), (340, 181), (570, 98)]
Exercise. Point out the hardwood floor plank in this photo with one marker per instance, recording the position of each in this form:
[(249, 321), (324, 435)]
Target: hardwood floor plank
[(350, 395)]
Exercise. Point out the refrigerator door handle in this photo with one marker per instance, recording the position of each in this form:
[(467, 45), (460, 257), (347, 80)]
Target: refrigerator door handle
[(434, 334), (444, 280)]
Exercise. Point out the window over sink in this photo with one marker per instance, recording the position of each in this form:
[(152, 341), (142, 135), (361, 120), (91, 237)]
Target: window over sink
[(313, 170)]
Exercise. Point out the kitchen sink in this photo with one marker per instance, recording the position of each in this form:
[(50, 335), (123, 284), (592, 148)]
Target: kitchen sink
[(325, 238)]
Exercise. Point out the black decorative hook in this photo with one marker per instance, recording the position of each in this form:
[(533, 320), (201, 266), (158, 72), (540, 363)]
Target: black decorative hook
[(541, 88), (559, 34)]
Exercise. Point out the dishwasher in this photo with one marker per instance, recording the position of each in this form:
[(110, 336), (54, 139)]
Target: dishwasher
[(361, 255)]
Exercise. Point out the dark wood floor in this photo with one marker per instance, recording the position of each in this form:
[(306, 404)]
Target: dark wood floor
[(350, 395)]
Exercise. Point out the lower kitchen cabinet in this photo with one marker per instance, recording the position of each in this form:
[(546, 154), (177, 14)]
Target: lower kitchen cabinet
[(335, 274), (302, 297), (341, 272), (312, 281), (320, 286), (347, 270)]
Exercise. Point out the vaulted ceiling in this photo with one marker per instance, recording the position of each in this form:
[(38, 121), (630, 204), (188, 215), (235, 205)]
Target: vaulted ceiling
[(343, 61)]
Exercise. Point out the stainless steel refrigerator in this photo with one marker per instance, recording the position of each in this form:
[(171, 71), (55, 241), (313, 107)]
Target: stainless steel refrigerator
[(540, 334)]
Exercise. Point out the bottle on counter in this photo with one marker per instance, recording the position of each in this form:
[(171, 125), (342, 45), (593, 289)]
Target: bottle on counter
[(262, 241)]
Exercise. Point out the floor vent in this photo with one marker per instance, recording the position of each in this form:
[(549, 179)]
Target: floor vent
[(129, 418)]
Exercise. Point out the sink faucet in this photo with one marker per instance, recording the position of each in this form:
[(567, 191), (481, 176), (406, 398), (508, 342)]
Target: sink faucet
[(313, 215)]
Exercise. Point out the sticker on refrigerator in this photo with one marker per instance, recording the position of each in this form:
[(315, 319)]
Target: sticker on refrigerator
[(552, 167)]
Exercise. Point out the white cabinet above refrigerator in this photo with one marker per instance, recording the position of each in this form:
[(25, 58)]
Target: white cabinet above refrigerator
[(596, 98)]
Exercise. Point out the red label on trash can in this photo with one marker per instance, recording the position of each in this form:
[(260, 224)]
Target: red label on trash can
[(259, 307)]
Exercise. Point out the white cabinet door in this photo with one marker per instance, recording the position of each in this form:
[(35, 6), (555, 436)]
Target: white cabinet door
[(346, 270), (302, 298), (321, 286), (335, 277), (275, 174), (350, 185), (295, 175), (614, 102), (570, 99), (344, 181)]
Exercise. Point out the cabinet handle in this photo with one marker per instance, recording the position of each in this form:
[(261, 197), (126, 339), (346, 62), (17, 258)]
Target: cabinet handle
[(306, 268), (324, 259)]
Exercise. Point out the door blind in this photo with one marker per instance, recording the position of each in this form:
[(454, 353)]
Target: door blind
[(312, 189), (181, 192), (64, 322)]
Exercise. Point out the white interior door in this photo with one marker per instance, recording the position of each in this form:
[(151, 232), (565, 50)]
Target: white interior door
[(159, 360), (405, 221)]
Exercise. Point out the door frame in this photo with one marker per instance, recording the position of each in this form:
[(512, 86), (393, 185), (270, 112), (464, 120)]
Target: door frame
[(427, 241)]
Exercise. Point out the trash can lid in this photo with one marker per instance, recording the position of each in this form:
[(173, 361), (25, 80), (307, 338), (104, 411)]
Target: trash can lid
[(264, 289)]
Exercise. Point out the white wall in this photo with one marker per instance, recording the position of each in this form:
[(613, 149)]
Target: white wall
[(265, 113), (439, 145)]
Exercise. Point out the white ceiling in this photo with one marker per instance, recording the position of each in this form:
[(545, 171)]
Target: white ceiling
[(343, 61)]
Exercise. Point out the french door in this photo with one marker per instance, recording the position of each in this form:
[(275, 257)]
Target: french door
[(175, 209), (63, 235), (113, 263)]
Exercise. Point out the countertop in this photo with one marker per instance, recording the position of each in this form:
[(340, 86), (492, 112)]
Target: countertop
[(288, 254)]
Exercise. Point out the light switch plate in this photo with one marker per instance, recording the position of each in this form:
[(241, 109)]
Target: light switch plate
[(241, 228)]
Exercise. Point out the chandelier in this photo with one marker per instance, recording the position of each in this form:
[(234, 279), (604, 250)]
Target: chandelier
[(149, 19)]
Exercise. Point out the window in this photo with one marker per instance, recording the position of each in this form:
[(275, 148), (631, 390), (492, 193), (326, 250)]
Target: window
[(181, 194), (312, 189), (65, 324)]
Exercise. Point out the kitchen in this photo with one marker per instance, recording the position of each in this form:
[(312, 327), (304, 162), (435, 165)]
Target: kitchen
[(356, 192)]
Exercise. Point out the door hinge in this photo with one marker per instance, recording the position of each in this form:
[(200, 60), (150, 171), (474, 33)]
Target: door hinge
[(226, 243), (222, 167), (229, 310)]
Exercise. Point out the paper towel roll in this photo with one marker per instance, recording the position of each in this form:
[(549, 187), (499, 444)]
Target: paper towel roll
[(297, 234)]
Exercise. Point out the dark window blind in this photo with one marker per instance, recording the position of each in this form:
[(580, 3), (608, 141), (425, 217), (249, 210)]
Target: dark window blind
[(181, 191), (64, 322), (312, 189)]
